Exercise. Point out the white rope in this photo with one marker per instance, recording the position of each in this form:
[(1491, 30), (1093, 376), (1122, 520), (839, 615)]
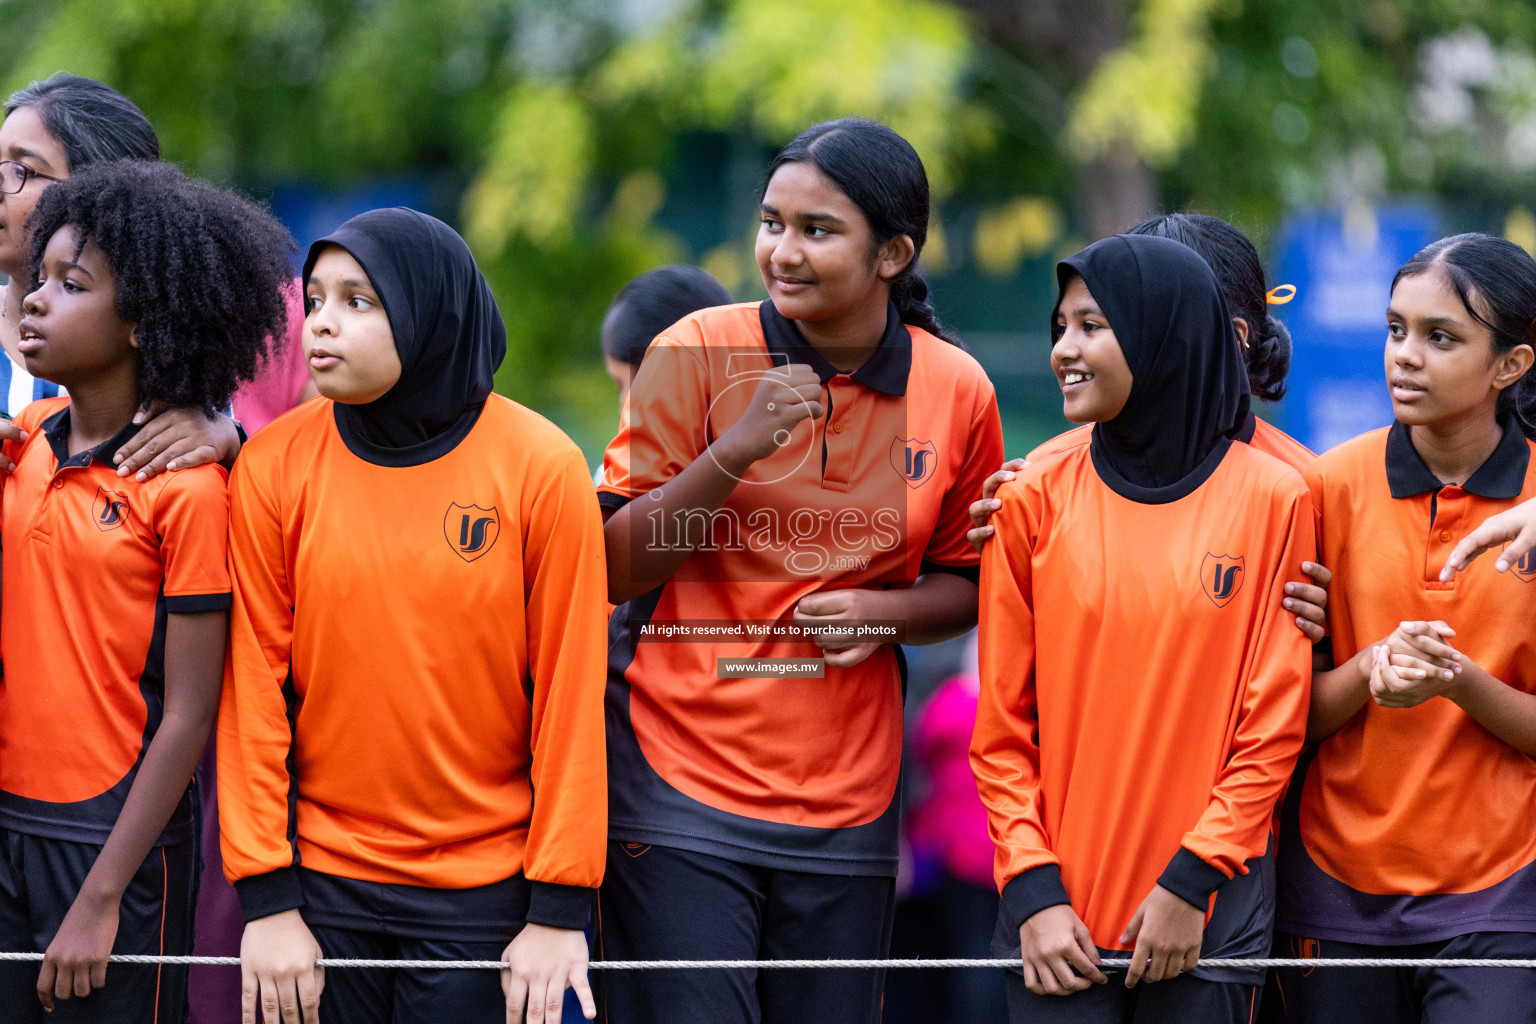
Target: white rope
[(705, 965)]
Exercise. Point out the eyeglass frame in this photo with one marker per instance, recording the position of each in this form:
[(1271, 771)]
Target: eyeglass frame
[(27, 175)]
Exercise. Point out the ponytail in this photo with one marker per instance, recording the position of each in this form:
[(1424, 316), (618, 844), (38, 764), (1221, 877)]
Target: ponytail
[(884, 177), (909, 291)]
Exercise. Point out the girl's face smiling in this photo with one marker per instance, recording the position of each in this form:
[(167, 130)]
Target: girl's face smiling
[(815, 248), (27, 141), (1089, 365), (348, 342), (1440, 362)]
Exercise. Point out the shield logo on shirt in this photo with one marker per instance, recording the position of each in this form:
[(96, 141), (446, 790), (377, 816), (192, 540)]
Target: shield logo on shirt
[(915, 461), (1221, 577), (471, 530), (109, 510), (1525, 568)]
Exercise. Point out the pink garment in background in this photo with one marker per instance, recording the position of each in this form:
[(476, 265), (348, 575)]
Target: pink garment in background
[(950, 825), (214, 992), (277, 387)]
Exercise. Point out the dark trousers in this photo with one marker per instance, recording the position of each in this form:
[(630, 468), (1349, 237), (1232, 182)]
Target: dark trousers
[(1180, 1000), (356, 995), (39, 880), (662, 903), (1404, 995)]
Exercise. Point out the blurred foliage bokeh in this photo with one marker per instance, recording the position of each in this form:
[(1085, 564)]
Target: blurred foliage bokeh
[(577, 143)]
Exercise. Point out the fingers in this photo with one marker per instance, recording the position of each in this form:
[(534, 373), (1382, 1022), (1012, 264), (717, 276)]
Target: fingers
[(990, 485), (1491, 532), (288, 998), (1134, 928), (981, 511), (271, 1009), (45, 980), (583, 991), (1429, 645), (250, 989), (6, 465), (1313, 631), (1320, 574), (1138, 965), (141, 448), (1518, 548), (1061, 967), (979, 536), (96, 978), (1088, 970), (1032, 979), (517, 997), (148, 411), (11, 432), (1157, 967), (309, 997)]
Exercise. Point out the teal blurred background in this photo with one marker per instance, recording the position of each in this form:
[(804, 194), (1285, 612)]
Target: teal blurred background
[(577, 143)]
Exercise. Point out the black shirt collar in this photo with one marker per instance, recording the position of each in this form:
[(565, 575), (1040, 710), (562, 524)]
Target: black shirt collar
[(1501, 476), (56, 427), (885, 370)]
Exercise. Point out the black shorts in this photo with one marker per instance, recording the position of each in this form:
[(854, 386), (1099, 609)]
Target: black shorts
[(1408, 995), (39, 880), (662, 903)]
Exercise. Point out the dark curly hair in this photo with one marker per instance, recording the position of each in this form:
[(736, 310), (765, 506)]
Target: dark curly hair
[(200, 273)]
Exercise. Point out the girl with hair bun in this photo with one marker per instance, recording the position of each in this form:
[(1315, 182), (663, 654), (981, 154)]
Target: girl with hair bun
[(1266, 349)]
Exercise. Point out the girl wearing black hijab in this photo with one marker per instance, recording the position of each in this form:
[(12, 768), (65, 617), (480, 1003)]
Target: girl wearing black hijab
[(1144, 691), (417, 651)]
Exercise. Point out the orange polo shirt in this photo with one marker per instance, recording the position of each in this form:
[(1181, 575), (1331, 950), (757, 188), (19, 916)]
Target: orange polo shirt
[(1144, 692), (93, 564), (792, 772), (1414, 824)]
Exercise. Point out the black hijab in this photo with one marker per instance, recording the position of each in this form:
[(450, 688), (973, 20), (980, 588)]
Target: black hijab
[(1189, 390), (447, 330)]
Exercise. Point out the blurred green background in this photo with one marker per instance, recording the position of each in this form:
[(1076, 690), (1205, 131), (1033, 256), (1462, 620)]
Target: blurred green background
[(579, 143)]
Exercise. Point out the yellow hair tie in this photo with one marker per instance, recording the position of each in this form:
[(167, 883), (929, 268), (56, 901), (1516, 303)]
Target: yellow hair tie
[(1279, 296)]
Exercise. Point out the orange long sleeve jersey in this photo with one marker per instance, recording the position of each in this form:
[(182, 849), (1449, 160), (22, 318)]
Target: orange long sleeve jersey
[(417, 657), (1144, 692), (1260, 434)]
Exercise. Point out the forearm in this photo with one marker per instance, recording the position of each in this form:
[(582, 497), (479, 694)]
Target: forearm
[(193, 673), (1337, 696), (1508, 713), (939, 606), (635, 565), (158, 787)]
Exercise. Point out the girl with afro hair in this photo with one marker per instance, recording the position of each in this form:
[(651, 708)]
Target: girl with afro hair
[(145, 287)]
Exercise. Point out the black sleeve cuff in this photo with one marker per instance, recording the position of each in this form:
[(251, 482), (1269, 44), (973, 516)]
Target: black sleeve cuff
[(612, 502), (188, 604), (268, 894), (1192, 879), (965, 572), (1027, 894), (560, 906)]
